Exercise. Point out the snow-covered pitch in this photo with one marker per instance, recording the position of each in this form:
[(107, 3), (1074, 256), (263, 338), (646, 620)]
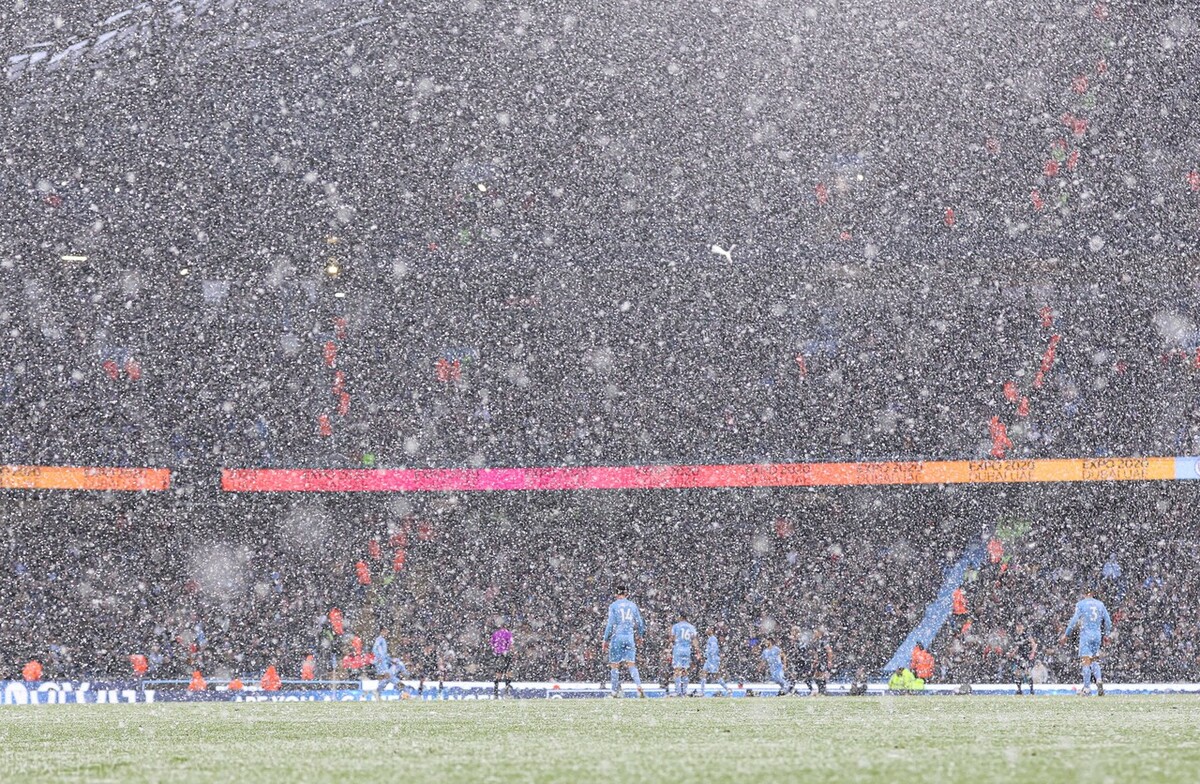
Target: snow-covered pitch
[(879, 739)]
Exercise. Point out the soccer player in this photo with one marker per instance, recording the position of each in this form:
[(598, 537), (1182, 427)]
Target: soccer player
[(801, 647), (501, 643), (1094, 623), (712, 662), (681, 653), (1022, 655), (666, 659), (385, 665), (774, 660), (624, 622), (821, 664)]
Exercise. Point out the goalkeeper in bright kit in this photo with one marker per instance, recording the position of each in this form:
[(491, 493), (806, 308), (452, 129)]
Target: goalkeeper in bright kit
[(1094, 622), (624, 621)]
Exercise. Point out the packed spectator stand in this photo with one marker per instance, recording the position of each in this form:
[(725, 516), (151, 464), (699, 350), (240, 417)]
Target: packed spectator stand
[(303, 273)]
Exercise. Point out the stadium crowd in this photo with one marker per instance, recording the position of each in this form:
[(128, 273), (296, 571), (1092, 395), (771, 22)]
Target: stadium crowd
[(493, 267), (580, 370), (234, 586), (499, 306), (1134, 563)]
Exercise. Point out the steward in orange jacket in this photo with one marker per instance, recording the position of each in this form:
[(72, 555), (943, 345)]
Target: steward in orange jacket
[(922, 662), (270, 680), (960, 601), (197, 683)]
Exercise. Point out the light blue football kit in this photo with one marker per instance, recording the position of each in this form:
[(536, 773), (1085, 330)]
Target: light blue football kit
[(712, 664), (624, 619), (774, 659), (385, 665), (1093, 620), (681, 653)]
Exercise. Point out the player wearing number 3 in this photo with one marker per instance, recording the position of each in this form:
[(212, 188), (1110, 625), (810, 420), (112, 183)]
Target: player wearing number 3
[(624, 622), (1094, 624)]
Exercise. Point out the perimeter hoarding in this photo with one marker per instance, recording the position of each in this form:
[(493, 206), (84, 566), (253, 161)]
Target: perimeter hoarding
[(31, 477), (664, 477)]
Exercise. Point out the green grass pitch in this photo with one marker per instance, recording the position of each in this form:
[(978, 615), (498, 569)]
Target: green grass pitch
[(930, 739)]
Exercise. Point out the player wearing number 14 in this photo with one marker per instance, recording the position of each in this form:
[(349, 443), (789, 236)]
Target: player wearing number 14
[(624, 621)]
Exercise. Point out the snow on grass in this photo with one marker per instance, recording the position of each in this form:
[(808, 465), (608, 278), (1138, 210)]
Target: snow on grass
[(970, 739)]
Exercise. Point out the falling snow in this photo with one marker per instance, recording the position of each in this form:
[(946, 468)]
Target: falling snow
[(585, 293)]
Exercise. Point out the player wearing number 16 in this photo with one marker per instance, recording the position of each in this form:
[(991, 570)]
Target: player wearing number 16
[(624, 623), (682, 636)]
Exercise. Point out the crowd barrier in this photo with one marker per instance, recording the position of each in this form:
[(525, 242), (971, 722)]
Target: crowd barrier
[(118, 692)]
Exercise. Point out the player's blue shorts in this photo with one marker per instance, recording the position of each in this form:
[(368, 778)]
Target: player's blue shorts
[(712, 665), (621, 649), (681, 659), (391, 670), (1089, 645)]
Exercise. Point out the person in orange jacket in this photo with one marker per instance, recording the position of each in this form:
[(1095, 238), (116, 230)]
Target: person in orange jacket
[(308, 669), (959, 598), (140, 666), (922, 662), (197, 683), (270, 680), (236, 684), (32, 671)]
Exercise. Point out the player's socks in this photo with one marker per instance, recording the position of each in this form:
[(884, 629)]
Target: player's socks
[(1086, 669), (683, 691), (721, 682), (1096, 672), (615, 679), (703, 683), (637, 678), (678, 686), (495, 690)]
